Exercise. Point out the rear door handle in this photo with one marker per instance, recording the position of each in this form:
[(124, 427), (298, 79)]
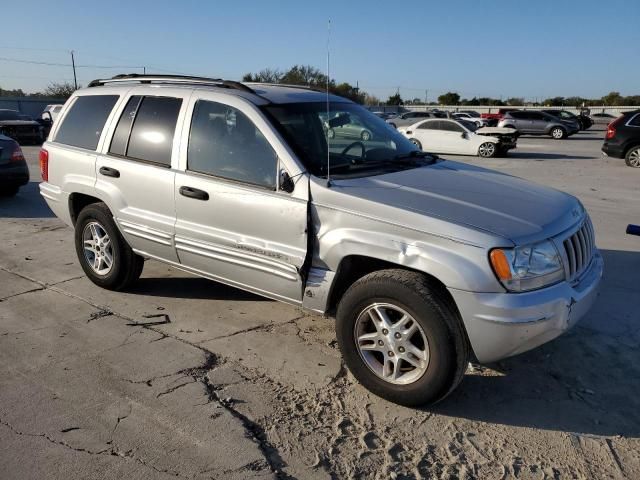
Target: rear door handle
[(194, 193), (109, 172)]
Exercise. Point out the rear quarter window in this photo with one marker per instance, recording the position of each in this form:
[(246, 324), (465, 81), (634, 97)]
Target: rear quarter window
[(83, 123)]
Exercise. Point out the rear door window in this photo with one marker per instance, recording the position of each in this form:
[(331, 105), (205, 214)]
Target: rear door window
[(451, 126), (152, 125), (83, 123), (635, 121), (433, 125)]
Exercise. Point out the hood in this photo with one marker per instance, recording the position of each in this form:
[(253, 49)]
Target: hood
[(19, 123), (496, 131), (457, 193)]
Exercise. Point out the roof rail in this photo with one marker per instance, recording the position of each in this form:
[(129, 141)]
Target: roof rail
[(289, 85), (175, 79)]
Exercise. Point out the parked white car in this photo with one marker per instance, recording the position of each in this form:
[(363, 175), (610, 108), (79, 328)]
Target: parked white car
[(51, 112), (480, 122), (460, 137)]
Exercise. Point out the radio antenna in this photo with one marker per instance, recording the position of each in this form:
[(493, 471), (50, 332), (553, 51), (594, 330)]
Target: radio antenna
[(328, 113)]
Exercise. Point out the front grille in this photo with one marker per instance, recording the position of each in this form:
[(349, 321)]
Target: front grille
[(579, 249)]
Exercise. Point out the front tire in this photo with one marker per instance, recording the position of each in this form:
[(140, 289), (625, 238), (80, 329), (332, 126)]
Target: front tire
[(401, 337), (558, 133), (104, 255), (487, 150), (632, 158)]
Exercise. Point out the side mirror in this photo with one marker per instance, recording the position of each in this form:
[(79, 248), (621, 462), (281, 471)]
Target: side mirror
[(286, 182), (463, 134)]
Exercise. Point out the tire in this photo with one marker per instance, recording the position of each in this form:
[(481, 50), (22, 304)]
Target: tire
[(487, 150), (365, 136), (558, 133), (632, 158), (416, 142), (436, 320), (331, 133), (125, 267), (9, 191)]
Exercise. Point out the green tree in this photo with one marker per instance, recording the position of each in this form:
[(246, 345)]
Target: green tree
[(267, 75), (613, 99), (515, 101), (449, 98), (554, 102), (59, 90), (371, 100), (395, 100)]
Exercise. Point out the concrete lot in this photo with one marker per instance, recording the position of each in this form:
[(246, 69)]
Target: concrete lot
[(183, 377)]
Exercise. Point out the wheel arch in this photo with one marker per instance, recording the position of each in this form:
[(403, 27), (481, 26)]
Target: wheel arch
[(78, 201)]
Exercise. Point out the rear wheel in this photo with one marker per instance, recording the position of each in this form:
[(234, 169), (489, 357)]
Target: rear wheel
[(104, 255), (632, 158), (331, 133), (487, 150), (558, 133), (401, 337), (416, 142), (365, 135)]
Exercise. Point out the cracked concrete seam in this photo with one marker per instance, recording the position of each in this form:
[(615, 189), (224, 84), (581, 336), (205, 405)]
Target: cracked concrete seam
[(111, 451), (253, 430)]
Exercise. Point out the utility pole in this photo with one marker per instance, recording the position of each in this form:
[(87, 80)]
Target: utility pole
[(73, 64), (426, 97), (144, 70)]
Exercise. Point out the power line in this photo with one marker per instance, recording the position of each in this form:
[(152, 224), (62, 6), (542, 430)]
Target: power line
[(52, 64)]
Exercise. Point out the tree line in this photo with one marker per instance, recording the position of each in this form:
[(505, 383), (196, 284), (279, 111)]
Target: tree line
[(312, 77)]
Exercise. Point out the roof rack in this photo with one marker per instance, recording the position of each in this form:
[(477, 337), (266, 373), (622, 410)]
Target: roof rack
[(288, 85), (172, 79)]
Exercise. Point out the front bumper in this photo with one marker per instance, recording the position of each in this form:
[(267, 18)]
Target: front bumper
[(503, 324)]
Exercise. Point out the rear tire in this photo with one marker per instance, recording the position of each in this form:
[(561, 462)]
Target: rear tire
[(428, 312), (416, 142), (365, 136), (558, 133), (104, 255), (632, 158)]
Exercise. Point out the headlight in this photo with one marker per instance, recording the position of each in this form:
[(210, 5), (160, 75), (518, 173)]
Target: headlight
[(528, 267)]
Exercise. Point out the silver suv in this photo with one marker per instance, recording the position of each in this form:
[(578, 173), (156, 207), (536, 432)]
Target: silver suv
[(425, 263), (409, 118)]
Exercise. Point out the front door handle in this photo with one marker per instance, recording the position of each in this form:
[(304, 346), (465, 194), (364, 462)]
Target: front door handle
[(194, 193), (109, 172)]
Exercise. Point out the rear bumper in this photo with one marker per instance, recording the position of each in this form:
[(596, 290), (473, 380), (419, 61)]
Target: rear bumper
[(14, 175), (57, 200), (500, 325), (612, 150)]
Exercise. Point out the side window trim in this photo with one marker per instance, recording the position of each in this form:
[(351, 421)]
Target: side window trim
[(133, 121)]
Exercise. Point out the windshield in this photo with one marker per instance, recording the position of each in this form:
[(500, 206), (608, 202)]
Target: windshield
[(469, 125), (9, 115), (359, 142)]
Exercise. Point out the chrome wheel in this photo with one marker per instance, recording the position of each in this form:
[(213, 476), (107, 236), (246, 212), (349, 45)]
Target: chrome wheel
[(331, 133), (365, 136), (391, 343), (98, 251), (487, 149), (557, 133), (633, 158)]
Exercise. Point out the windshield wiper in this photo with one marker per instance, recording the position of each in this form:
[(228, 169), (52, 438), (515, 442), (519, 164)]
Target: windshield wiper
[(415, 156)]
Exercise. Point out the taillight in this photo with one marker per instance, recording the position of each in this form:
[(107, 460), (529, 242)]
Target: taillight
[(44, 164), (17, 155), (611, 128)]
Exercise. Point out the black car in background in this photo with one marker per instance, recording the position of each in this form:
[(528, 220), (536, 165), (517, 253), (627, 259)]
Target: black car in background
[(14, 125), (622, 139), (583, 120), (13, 167)]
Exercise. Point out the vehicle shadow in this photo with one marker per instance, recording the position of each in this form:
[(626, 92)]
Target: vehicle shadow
[(585, 381), (193, 288), (28, 203), (546, 156)]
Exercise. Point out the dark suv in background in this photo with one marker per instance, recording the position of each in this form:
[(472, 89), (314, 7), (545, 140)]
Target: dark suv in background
[(622, 139), (583, 120), (531, 122)]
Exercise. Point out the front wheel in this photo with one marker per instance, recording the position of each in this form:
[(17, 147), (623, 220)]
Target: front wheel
[(331, 133), (104, 255), (365, 136), (487, 150), (416, 142), (632, 158), (558, 133), (401, 337)]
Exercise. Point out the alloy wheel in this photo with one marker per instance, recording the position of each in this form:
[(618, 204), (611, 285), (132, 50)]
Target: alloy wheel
[(98, 251), (391, 343), (487, 149), (634, 158)]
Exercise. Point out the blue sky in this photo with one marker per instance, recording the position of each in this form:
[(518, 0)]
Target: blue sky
[(484, 48)]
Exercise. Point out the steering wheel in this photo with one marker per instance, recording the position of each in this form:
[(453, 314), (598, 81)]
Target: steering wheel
[(363, 149)]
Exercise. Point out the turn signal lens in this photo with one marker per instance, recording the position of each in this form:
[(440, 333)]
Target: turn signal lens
[(17, 155), (500, 264)]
